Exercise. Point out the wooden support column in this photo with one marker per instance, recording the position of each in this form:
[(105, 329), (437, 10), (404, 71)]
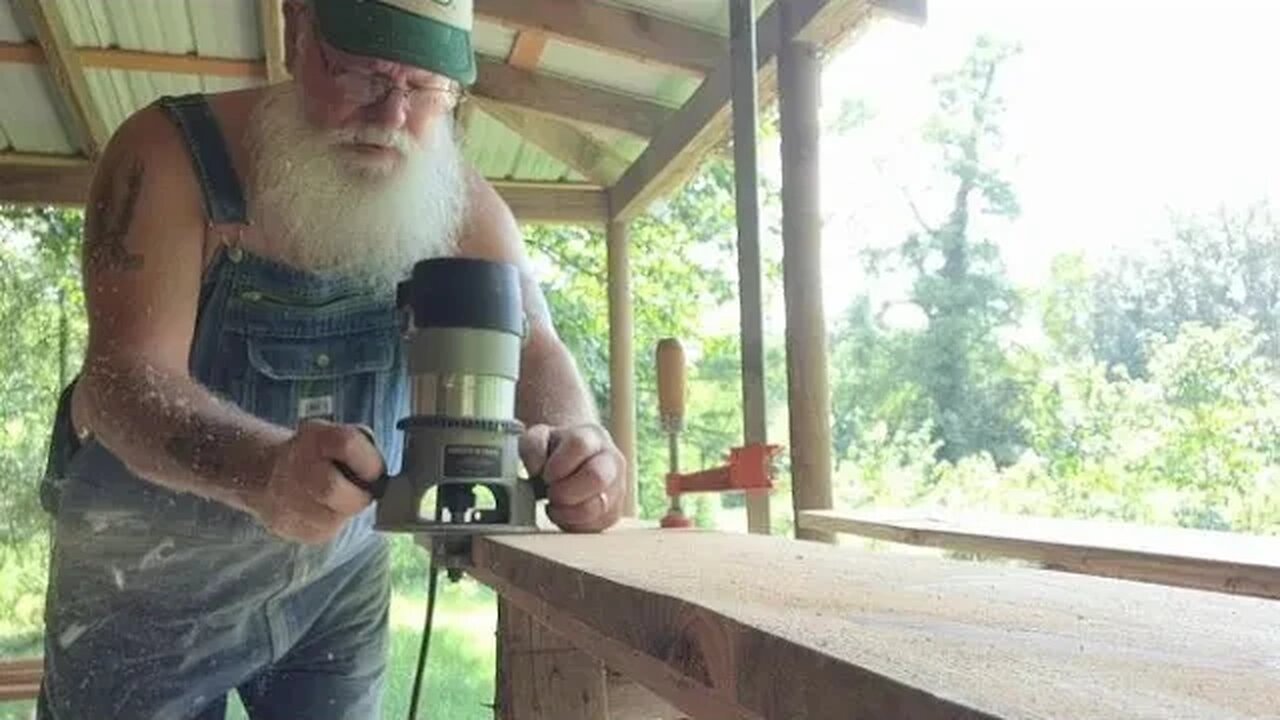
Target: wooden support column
[(750, 282), (543, 677), (799, 78), (622, 375)]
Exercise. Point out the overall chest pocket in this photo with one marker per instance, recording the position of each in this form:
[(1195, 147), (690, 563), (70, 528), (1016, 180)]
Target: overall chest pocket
[(340, 377), (335, 358)]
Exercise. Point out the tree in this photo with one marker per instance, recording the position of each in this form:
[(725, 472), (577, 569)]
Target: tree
[(955, 277), (1209, 270)]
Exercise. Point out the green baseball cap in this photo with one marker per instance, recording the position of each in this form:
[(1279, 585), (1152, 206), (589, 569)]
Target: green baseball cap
[(434, 35)]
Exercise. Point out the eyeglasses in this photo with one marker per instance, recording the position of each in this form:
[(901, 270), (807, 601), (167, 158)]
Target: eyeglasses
[(361, 87)]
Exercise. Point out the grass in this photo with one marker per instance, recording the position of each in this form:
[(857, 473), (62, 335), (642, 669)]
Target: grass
[(459, 679)]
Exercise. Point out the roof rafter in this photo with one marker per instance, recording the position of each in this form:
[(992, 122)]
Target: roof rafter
[(567, 99), (35, 179), (612, 29), (503, 83), (64, 64), (705, 120), (271, 18), (566, 143)]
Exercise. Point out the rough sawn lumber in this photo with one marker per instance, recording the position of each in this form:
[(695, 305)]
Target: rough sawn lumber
[(749, 626)]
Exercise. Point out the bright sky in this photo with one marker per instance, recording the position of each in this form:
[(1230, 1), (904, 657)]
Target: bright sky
[(1118, 111)]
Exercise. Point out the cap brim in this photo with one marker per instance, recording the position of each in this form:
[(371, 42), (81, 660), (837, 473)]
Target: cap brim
[(384, 31)]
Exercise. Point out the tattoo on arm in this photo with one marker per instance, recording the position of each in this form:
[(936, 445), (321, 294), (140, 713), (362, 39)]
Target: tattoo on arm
[(112, 220)]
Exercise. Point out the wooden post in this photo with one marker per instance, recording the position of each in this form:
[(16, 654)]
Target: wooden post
[(799, 77), (622, 376), (742, 44), (543, 677)]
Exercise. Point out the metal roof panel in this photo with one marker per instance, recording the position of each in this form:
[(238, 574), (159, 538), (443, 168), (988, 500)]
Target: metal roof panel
[(622, 74), (12, 27), (497, 152), (36, 124), (493, 40)]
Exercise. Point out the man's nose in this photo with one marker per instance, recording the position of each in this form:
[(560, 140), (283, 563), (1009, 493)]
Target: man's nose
[(390, 112)]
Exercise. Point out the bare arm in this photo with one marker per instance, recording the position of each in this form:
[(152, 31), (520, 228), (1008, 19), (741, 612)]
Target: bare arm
[(566, 443), (142, 266), (551, 390)]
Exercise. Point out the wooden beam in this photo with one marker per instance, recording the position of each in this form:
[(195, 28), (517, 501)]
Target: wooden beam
[(566, 143), (808, 392), (567, 99), (541, 676), (271, 18), (58, 180), (496, 81), (755, 421), (612, 29), (64, 64), (751, 626), (533, 203), (704, 121), (43, 184), (526, 50), (113, 59), (622, 370), (1207, 560)]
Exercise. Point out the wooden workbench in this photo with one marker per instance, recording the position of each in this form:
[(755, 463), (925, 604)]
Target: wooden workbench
[(1184, 557), (748, 626)]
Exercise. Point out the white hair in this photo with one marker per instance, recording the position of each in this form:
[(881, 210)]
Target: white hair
[(322, 208)]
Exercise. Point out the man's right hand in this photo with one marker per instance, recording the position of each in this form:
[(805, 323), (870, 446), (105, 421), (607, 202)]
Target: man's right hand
[(307, 498)]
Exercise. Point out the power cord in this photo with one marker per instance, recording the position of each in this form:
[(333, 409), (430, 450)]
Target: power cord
[(433, 577)]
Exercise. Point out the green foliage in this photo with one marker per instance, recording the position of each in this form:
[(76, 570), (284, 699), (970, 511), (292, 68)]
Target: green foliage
[(1209, 270)]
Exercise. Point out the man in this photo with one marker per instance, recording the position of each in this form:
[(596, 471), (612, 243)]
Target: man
[(241, 255)]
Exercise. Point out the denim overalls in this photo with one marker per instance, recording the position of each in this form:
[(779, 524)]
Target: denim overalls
[(159, 603)]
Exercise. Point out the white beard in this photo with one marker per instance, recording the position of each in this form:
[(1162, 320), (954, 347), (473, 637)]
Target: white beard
[(323, 208)]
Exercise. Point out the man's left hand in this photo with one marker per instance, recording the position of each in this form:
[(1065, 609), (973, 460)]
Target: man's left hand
[(584, 472)]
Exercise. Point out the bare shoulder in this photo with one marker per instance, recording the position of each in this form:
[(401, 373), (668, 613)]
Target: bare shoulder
[(146, 159), (489, 229)]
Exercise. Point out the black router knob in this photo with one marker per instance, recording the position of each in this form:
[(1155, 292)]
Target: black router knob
[(464, 293)]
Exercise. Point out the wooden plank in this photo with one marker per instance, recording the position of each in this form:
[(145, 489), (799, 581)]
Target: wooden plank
[(611, 28), (64, 64), (808, 391), (622, 371), (19, 692), (113, 59), (545, 204), (684, 141), (541, 676), (44, 184), (271, 18), (25, 53), (526, 51), (1208, 560), (567, 99), (752, 626), (571, 146), (52, 180)]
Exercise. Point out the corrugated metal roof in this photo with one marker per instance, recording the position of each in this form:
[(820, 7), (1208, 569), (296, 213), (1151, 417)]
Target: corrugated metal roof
[(231, 29), (597, 67), (35, 124), (11, 28)]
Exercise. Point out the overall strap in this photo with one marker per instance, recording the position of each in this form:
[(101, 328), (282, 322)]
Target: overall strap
[(223, 196)]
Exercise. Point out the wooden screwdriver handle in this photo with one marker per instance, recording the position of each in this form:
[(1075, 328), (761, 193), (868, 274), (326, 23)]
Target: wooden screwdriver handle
[(671, 383)]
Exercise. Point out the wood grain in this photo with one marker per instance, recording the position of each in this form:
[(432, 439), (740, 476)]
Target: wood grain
[(751, 626), (1202, 559), (541, 676)]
